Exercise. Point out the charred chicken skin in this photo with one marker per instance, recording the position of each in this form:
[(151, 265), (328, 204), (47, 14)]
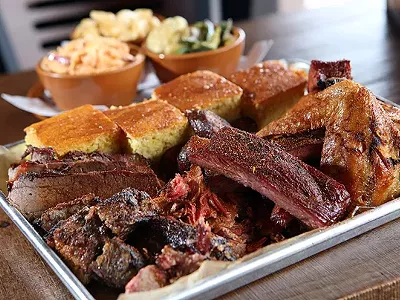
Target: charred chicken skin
[(361, 142)]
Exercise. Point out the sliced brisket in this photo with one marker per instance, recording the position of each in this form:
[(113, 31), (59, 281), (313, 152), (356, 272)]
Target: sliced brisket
[(40, 155), (79, 162), (33, 193), (35, 187)]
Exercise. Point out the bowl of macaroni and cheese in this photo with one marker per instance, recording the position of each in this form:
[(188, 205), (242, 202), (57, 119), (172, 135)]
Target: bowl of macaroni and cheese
[(92, 70)]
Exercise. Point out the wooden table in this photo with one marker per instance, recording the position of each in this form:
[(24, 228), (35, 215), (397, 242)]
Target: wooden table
[(357, 32)]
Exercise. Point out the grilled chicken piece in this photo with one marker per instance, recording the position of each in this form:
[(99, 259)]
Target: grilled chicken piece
[(361, 144)]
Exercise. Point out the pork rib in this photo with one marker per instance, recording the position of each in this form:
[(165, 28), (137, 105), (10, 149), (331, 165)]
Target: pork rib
[(306, 193)]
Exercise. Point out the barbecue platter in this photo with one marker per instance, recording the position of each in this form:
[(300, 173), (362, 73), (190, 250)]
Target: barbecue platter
[(210, 169)]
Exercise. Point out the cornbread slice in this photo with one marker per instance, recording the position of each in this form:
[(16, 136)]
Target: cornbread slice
[(151, 127), (82, 129), (269, 90), (202, 90)]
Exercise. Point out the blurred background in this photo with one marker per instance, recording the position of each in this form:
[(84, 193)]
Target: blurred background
[(30, 28)]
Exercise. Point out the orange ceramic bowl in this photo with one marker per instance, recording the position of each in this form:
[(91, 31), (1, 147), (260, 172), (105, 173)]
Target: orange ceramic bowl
[(223, 61), (116, 87)]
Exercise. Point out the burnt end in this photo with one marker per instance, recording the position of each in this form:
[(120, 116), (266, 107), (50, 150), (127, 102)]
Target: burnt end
[(115, 239), (178, 263), (205, 123), (306, 193), (323, 74), (63, 211), (78, 241), (118, 263), (121, 212), (154, 233)]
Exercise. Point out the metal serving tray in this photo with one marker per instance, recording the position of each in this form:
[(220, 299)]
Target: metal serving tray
[(274, 258)]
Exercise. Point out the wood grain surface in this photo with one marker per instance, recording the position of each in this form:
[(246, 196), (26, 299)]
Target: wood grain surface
[(355, 31)]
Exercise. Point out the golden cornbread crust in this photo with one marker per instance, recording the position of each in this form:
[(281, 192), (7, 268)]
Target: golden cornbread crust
[(269, 90), (202, 90), (81, 129), (151, 127)]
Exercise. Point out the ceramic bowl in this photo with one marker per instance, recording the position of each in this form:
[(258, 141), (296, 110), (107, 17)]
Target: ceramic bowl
[(223, 61), (115, 87)]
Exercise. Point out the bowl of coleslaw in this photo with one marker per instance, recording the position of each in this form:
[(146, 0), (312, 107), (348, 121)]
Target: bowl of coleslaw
[(92, 70)]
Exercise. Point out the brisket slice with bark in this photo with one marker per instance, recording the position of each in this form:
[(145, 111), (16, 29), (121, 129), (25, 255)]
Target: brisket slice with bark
[(35, 187), (306, 193), (78, 162), (40, 155)]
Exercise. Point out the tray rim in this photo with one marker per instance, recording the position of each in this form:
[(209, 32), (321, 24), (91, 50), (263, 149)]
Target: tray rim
[(280, 256), (76, 288)]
